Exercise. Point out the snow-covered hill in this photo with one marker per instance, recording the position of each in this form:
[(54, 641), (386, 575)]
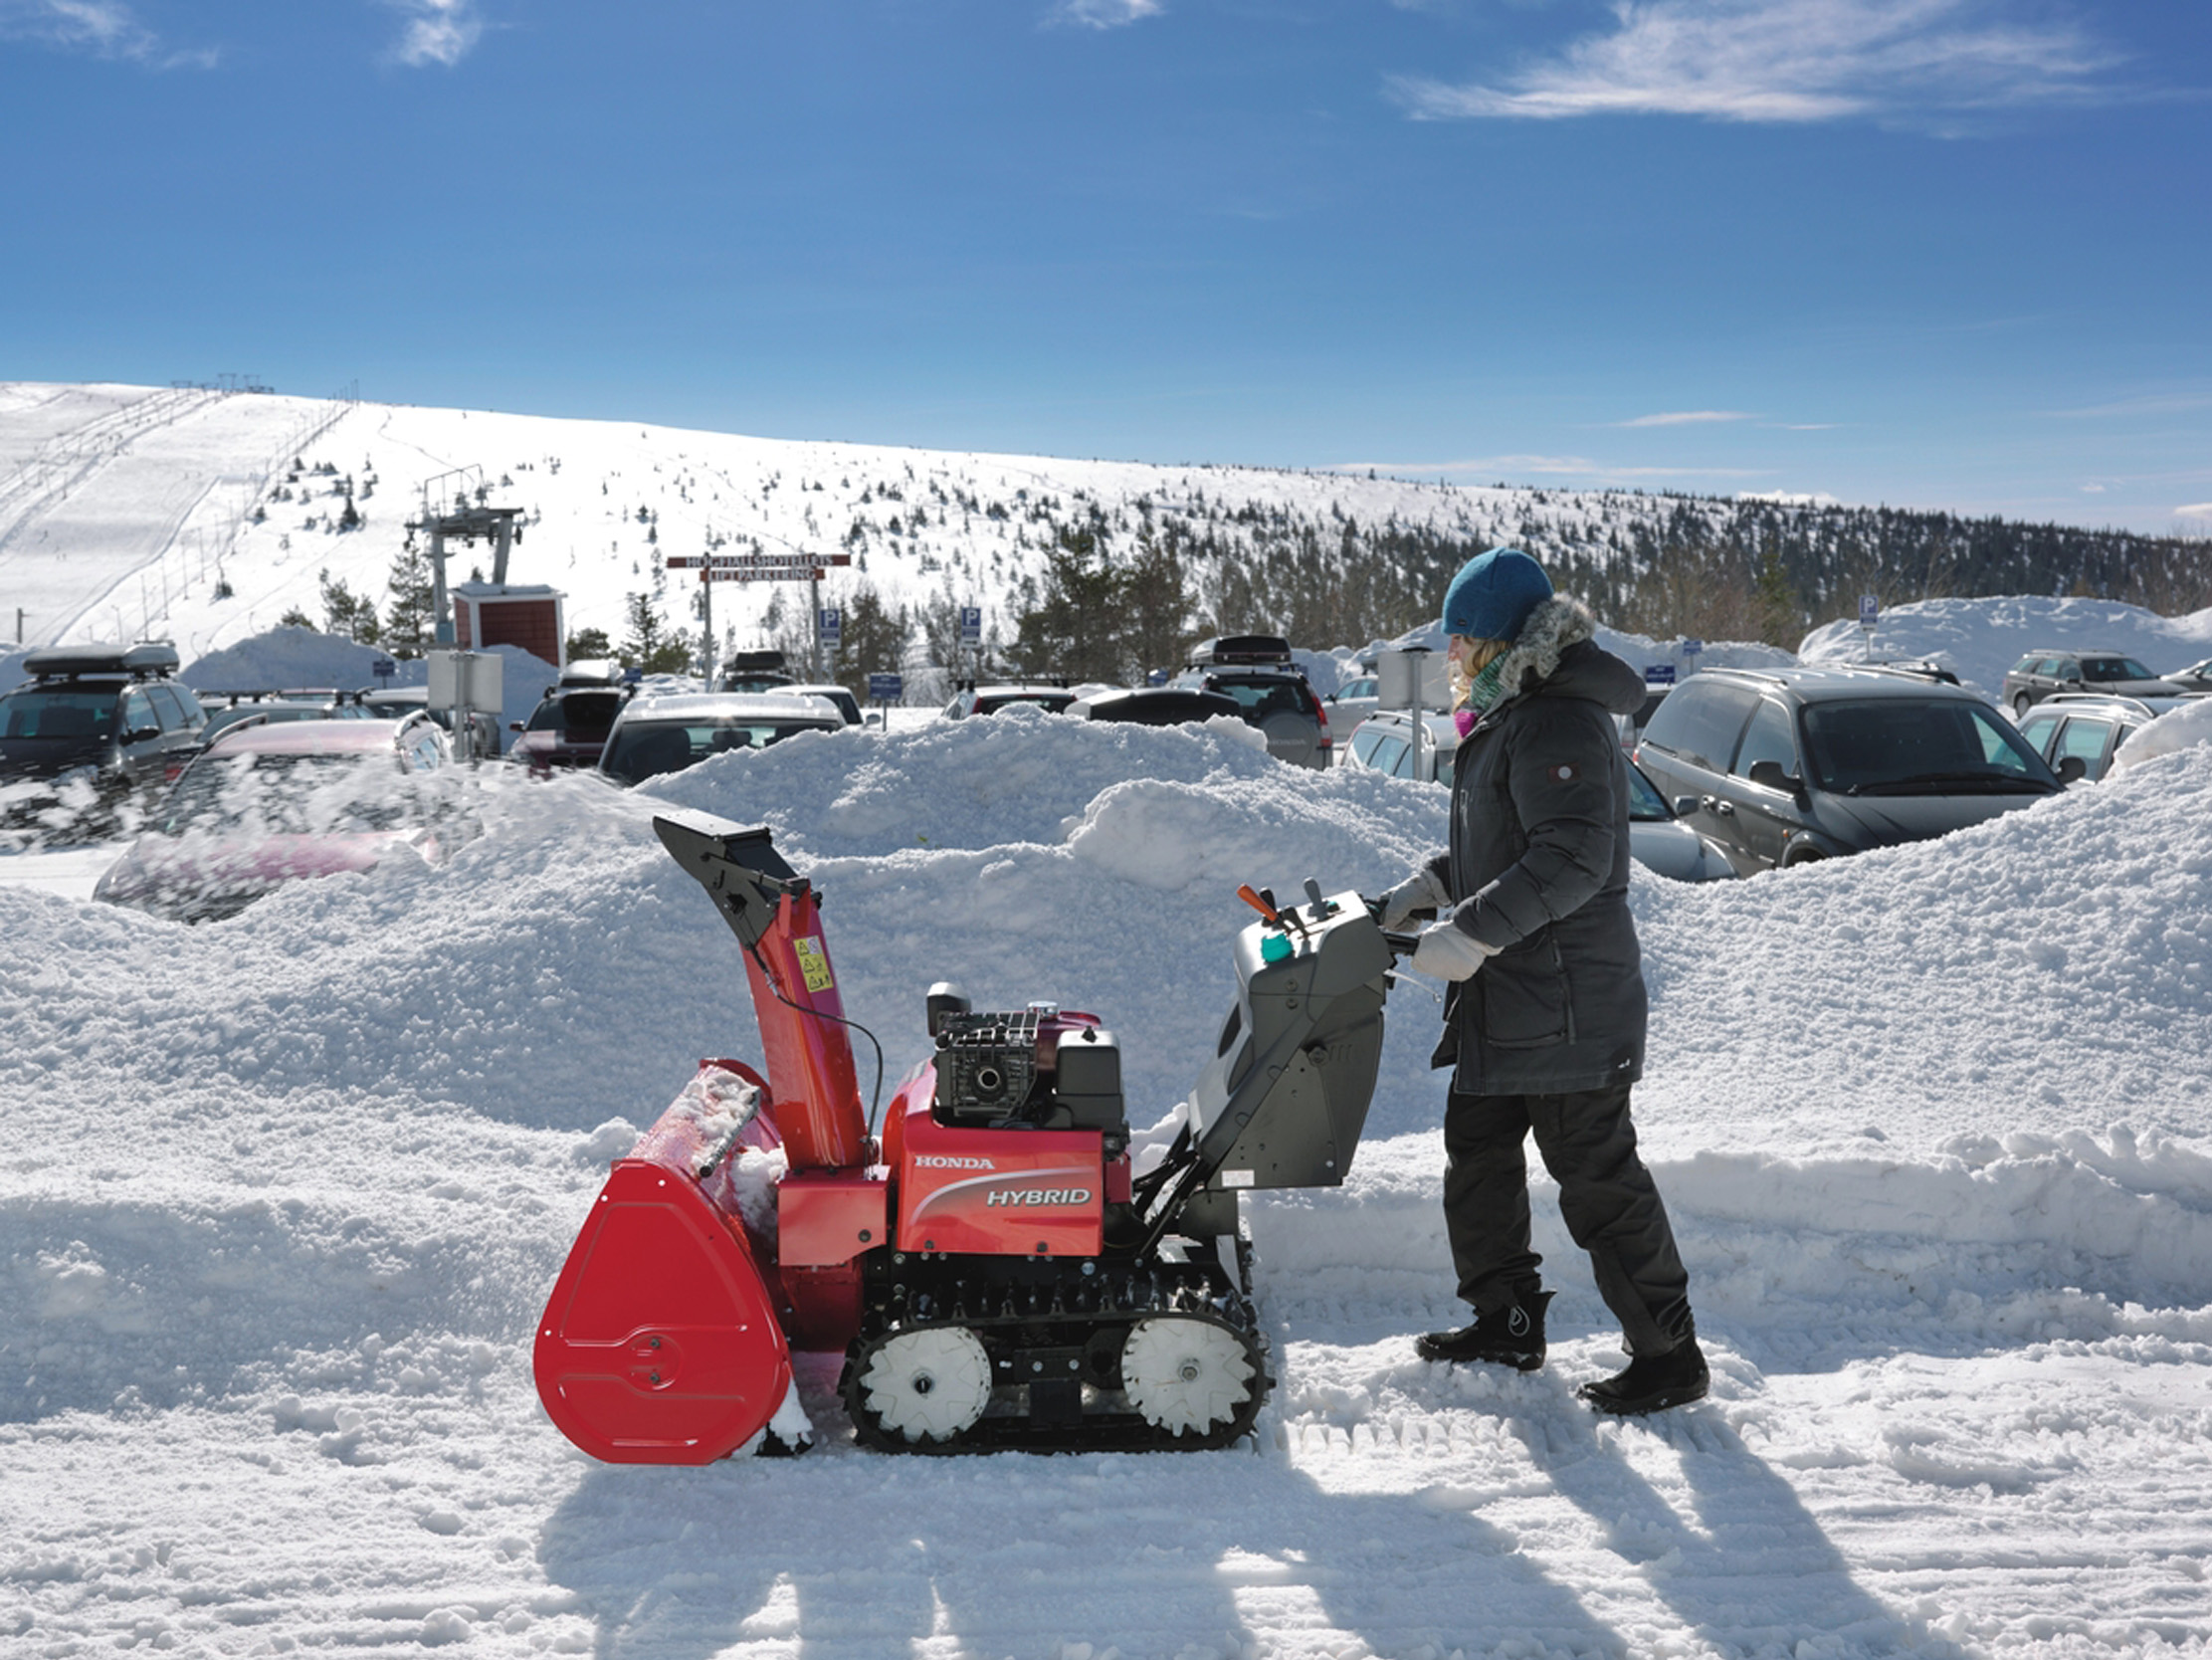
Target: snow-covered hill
[(283, 1195)]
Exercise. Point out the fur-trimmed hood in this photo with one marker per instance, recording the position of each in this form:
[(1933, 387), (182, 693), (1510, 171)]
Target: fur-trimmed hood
[(1557, 654)]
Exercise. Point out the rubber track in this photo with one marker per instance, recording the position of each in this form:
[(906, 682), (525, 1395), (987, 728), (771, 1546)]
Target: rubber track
[(1009, 1319)]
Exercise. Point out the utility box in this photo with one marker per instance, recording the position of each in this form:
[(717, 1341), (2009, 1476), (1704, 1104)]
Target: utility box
[(486, 614), (1401, 674), (466, 689)]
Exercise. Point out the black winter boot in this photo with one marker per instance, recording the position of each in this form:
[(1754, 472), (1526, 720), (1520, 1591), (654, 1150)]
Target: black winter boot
[(1651, 1382), (1508, 1336)]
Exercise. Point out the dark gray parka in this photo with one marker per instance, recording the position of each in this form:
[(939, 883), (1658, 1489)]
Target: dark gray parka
[(1540, 843)]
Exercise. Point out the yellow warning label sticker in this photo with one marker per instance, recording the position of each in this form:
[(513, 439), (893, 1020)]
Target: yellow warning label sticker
[(814, 964)]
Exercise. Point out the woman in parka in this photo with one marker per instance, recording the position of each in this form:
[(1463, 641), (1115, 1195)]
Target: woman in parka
[(1544, 1022)]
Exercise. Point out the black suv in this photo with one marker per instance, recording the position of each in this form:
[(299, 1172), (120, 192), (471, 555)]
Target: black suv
[(93, 732), (2039, 673), (1270, 691), (1781, 767)]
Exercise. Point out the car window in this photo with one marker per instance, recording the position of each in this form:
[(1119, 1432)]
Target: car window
[(1904, 745), (1701, 723), (138, 713), (68, 715), (648, 749), (2037, 731), (1768, 737), (168, 708), (2085, 739), (1389, 751), (2114, 668), (1364, 744)]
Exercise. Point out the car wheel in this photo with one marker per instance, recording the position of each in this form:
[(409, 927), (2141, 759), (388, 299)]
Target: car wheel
[(1805, 856), (2022, 704)]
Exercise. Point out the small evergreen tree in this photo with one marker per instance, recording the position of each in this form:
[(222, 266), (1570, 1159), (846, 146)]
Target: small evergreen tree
[(409, 624), (589, 642), (648, 645)]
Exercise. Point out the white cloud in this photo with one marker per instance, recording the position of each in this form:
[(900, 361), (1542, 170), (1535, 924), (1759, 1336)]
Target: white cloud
[(438, 31), (1104, 14), (103, 28), (2195, 510), (1923, 60), (1685, 417)]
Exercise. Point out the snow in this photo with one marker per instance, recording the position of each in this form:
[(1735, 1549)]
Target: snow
[(283, 1195), (1981, 639)]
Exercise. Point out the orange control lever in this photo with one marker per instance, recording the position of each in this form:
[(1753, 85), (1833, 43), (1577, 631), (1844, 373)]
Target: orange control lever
[(1252, 898)]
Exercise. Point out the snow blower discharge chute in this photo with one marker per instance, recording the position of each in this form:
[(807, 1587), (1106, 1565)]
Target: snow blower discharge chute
[(991, 1269)]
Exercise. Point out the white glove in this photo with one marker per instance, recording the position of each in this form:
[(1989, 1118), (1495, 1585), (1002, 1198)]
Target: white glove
[(1419, 892), (1448, 952)]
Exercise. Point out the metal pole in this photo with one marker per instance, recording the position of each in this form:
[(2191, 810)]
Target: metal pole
[(814, 587), (707, 646)]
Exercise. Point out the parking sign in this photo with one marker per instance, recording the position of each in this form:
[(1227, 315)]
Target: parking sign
[(971, 625), (1870, 608), (833, 624)]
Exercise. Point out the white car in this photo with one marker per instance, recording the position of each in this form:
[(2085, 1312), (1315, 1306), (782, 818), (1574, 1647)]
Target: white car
[(1657, 839)]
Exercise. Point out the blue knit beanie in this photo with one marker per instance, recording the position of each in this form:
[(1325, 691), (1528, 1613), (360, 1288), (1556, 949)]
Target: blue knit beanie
[(1494, 593)]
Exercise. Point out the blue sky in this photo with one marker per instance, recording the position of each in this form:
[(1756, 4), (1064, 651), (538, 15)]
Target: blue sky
[(1935, 253)]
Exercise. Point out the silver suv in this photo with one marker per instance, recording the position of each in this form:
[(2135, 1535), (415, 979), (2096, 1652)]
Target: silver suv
[(1272, 690), (1782, 766)]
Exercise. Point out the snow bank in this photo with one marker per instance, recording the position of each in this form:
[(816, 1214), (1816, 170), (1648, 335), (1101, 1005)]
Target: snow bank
[(283, 1195), (1979, 639), (2189, 726)]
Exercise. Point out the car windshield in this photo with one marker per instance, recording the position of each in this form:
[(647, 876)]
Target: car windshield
[(72, 714), (586, 714), (1908, 747), (288, 795), (647, 748), (2114, 668), (1055, 701)]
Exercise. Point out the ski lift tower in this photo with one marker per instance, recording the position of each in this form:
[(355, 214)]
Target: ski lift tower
[(454, 507)]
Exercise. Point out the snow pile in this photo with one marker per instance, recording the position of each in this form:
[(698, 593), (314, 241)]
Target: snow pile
[(282, 657), (2185, 727), (1981, 639), (284, 1194)]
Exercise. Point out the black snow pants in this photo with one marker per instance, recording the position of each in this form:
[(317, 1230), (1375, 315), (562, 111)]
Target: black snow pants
[(1608, 1198)]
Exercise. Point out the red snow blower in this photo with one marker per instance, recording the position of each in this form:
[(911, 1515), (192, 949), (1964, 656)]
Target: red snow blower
[(993, 1271)]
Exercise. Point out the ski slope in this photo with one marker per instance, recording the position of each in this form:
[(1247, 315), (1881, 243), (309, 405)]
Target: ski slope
[(283, 1195)]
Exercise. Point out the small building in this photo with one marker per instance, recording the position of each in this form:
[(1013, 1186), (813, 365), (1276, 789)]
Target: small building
[(527, 615)]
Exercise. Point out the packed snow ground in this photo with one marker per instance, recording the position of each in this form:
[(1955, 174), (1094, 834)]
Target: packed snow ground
[(284, 1195)]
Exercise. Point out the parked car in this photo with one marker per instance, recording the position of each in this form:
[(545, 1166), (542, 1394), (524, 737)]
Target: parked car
[(659, 734), (1271, 689), (2085, 728), (847, 705), (569, 726), (92, 736), (971, 699), (1657, 839), (2197, 677), (2039, 673), (1156, 705), (755, 671), (226, 710), (389, 703), (1352, 702), (1781, 767), (272, 803)]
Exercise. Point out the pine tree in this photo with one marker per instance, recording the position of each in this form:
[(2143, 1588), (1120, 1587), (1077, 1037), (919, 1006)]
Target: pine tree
[(409, 623), (648, 645)]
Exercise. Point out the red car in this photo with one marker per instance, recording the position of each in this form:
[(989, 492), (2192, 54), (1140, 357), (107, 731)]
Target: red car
[(270, 803)]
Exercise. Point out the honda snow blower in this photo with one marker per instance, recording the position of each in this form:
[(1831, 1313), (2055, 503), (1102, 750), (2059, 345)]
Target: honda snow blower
[(992, 1270)]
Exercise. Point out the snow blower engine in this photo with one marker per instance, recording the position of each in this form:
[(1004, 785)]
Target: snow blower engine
[(992, 1269)]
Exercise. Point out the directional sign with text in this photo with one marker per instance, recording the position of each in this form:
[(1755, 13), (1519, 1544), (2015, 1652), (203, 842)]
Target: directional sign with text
[(884, 689)]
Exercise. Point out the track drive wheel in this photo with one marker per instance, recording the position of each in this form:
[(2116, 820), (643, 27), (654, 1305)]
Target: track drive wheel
[(929, 1385), (1186, 1375)]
